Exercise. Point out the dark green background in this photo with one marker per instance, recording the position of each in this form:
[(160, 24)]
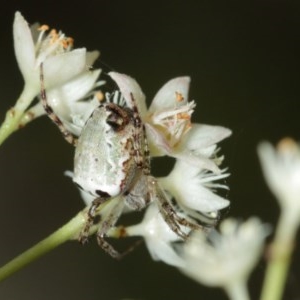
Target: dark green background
[(243, 57)]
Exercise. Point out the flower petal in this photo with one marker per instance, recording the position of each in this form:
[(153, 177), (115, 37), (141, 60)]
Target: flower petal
[(60, 68), (226, 258), (204, 200), (157, 143), (161, 250), (197, 160), (158, 236), (190, 185), (281, 168), (73, 90), (91, 56), (166, 96), (202, 136), (127, 87), (24, 46)]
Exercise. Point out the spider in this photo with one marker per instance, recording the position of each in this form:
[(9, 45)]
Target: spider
[(112, 160)]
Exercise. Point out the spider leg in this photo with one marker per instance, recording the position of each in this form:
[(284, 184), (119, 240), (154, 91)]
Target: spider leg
[(84, 234), (69, 137), (139, 139), (168, 212), (105, 225)]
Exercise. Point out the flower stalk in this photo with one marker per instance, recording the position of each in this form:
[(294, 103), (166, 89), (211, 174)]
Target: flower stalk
[(237, 291), (10, 123), (281, 168), (279, 262)]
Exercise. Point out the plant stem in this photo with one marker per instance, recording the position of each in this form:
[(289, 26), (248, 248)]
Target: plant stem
[(276, 275), (14, 115), (10, 123), (63, 234), (279, 258)]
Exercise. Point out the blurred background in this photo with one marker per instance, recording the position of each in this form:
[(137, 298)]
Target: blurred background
[(243, 57)]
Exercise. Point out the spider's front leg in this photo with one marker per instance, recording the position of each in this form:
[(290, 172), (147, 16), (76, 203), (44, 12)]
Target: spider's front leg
[(69, 137)]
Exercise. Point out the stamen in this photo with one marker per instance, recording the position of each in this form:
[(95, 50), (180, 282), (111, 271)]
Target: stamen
[(184, 116), (43, 28)]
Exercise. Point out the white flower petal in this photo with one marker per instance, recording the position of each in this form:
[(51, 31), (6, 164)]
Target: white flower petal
[(91, 57), (67, 103), (197, 160), (202, 136), (162, 251), (202, 199), (158, 236), (281, 169), (166, 96), (228, 257), (190, 188), (157, 143), (24, 46), (60, 68), (128, 86), (73, 90)]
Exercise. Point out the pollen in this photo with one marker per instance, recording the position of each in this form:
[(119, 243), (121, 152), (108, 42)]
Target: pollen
[(287, 145), (70, 41), (100, 96), (179, 97), (183, 116)]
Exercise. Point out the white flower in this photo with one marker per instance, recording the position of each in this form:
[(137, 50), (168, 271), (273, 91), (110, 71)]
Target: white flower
[(168, 122), (54, 50), (281, 169), (226, 259), (158, 236), (73, 101), (193, 188)]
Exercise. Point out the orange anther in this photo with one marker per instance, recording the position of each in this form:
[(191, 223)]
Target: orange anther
[(70, 41), (100, 96), (179, 97), (65, 43), (183, 116), (287, 144)]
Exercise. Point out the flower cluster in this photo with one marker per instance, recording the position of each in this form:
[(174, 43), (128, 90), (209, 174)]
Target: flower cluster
[(72, 93), (68, 78), (228, 257)]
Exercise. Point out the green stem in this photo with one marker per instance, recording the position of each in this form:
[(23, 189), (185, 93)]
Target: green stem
[(279, 259), (10, 123), (65, 233), (276, 275), (14, 115)]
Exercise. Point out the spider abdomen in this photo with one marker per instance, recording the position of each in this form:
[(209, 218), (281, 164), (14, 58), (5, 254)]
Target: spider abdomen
[(104, 161)]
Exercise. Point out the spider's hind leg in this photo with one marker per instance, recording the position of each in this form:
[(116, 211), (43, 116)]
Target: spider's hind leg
[(90, 217)]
